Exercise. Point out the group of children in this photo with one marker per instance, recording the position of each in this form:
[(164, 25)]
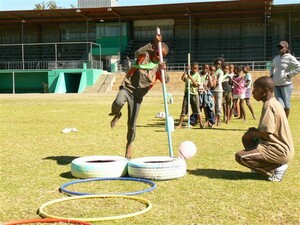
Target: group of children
[(268, 148), (216, 89)]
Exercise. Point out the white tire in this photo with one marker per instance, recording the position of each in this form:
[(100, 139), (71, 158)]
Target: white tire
[(157, 168), (99, 166)]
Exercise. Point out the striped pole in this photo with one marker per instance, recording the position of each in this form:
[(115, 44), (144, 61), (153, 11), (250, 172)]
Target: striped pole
[(189, 86), (165, 96)]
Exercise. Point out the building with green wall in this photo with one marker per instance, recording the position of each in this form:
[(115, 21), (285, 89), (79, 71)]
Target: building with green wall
[(239, 31)]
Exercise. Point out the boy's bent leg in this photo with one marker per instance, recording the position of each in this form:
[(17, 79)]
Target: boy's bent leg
[(117, 105), (253, 160), (119, 102), (115, 120)]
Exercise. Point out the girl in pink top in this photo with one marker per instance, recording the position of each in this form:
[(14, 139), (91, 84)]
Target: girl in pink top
[(238, 92)]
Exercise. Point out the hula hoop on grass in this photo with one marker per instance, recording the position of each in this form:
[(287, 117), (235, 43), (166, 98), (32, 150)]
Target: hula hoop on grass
[(142, 200), (46, 220), (152, 184)]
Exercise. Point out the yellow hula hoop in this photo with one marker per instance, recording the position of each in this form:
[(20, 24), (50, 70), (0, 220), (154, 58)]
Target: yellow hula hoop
[(42, 213)]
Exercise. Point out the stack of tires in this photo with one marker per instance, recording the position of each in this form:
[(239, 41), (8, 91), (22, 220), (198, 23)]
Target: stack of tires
[(152, 168)]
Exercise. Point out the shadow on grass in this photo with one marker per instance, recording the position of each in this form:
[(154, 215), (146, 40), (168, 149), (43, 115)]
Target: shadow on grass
[(226, 174), (67, 175), (158, 124), (229, 129), (62, 159), (162, 124)]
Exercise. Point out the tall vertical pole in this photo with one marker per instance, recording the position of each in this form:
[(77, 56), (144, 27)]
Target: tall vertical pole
[(290, 30), (87, 30), (190, 32), (22, 40), (189, 65), (120, 39), (23, 57), (55, 52), (13, 83), (189, 91), (265, 33), (88, 49), (165, 96)]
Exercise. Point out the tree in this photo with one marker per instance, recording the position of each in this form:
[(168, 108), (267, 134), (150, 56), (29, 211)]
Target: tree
[(46, 5)]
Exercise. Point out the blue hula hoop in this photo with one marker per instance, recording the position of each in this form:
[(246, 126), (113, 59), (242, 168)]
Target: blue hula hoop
[(151, 183)]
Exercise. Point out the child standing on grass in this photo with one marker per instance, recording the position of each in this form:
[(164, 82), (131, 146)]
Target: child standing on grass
[(248, 84), (205, 97), (212, 71), (227, 93), (218, 90), (194, 79), (269, 147), (238, 92), (236, 111)]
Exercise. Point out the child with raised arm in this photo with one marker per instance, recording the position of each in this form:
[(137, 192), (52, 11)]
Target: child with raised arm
[(269, 147), (194, 79), (205, 96), (136, 84)]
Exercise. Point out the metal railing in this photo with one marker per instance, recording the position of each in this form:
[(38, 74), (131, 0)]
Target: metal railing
[(51, 65), (255, 65), (61, 55)]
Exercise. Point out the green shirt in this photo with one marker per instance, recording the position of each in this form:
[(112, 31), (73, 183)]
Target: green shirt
[(193, 90)]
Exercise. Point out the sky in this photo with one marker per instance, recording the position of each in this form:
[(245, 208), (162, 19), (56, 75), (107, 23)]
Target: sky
[(6, 5)]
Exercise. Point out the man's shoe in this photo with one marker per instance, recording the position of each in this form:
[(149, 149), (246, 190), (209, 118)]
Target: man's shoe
[(278, 173)]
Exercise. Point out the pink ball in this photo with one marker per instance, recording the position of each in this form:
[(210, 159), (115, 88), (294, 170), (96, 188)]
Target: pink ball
[(187, 150)]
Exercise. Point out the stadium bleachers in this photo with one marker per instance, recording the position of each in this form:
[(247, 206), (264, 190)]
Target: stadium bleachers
[(10, 53), (42, 56), (295, 44), (207, 50)]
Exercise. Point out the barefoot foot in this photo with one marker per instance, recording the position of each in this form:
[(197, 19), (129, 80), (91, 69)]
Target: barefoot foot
[(115, 120)]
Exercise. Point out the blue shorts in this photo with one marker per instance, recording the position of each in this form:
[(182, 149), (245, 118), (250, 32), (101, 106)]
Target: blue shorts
[(283, 95)]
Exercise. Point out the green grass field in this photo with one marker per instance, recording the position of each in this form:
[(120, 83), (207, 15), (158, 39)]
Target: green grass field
[(36, 158)]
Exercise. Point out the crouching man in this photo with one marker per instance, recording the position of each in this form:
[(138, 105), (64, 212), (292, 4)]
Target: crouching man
[(269, 147)]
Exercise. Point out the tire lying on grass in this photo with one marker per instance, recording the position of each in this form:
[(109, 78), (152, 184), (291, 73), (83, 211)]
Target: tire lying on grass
[(157, 168), (99, 166)]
